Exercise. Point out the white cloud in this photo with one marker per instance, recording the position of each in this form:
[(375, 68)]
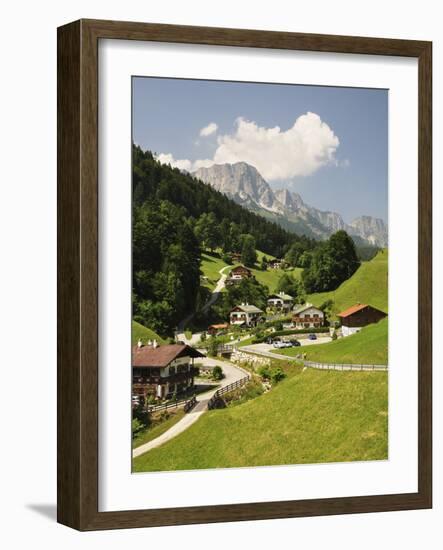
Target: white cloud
[(208, 130), (184, 164), (299, 151)]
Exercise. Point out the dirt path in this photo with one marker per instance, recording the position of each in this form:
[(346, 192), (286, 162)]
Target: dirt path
[(180, 335)]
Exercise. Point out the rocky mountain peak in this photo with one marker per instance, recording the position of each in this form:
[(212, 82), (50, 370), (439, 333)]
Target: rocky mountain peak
[(244, 184)]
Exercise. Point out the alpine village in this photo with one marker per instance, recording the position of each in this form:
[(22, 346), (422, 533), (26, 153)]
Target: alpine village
[(259, 338)]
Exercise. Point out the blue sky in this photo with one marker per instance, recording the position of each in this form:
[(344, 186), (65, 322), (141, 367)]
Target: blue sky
[(328, 144)]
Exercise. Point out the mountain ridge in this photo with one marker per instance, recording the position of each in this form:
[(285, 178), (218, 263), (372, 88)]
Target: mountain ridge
[(246, 186)]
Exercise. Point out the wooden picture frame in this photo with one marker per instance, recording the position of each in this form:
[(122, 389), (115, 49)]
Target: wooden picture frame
[(78, 273)]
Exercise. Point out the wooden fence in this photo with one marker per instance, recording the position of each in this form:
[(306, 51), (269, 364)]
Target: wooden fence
[(187, 404), (227, 389), (344, 366)]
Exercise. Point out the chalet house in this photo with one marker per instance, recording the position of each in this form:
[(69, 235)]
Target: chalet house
[(276, 264), (215, 329), (358, 316), (237, 274), (280, 301), (246, 315), (308, 316), (161, 371)]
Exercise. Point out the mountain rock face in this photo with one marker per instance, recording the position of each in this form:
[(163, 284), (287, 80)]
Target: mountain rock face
[(373, 230), (241, 182), (244, 184)]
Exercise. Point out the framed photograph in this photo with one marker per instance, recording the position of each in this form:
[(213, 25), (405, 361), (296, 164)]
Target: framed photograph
[(244, 275)]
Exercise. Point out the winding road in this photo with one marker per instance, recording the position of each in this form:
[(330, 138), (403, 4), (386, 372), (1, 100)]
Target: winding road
[(232, 374), (195, 338)]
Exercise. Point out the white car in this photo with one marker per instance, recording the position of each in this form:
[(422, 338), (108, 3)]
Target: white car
[(281, 345)]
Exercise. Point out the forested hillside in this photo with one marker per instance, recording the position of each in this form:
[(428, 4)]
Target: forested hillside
[(153, 181), (176, 217)]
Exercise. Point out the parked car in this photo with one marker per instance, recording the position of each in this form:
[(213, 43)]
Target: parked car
[(294, 343), (278, 344), (283, 344), (312, 337)]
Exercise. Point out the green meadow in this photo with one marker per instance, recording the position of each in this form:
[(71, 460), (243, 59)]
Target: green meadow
[(368, 285), (369, 346), (310, 417)]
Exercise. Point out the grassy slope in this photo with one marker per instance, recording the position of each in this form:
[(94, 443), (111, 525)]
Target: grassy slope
[(210, 267), (212, 264), (368, 285), (271, 277), (313, 416), (145, 334), (156, 431), (370, 346)]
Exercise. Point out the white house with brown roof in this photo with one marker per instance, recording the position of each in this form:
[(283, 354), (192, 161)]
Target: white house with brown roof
[(246, 315), (161, 371), (237, 274), (281, 301), (308, 316)]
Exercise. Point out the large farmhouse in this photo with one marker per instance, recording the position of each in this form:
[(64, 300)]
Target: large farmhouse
[(308, 316), (237, 274), (246, 315), (161, 371), (280, 301), (358, 316)]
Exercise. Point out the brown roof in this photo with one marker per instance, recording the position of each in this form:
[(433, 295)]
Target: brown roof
[(222, 325), (351, 310), (148, 356), (240, 268)]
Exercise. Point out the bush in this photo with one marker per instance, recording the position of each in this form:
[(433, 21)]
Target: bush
[(277, 375), (212, 346), (217, 373), (280, 321), (274, 374), (137, 427), (264, 372)]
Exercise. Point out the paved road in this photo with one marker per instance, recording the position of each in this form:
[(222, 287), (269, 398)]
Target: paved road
[(232, 374)]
